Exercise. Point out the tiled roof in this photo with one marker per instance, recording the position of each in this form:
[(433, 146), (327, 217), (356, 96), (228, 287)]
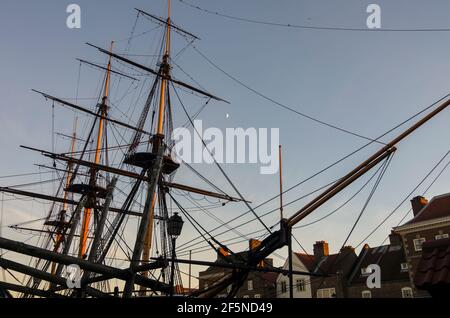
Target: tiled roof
[(336, 262), (270, 277), (388, 257), (329, 264), (434, 267), (308, 260), (438, 207)]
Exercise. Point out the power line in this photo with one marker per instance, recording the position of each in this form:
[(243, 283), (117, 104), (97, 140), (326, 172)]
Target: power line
[(304, 26)]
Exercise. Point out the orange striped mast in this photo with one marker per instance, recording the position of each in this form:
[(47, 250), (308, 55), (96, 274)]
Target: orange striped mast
[(160, 131), (59, 236), (98, 150)]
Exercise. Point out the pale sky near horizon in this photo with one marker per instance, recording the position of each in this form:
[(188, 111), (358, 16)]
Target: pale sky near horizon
[(366, 82)]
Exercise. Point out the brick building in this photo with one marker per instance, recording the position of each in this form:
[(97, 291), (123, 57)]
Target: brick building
[(335, 266), (431, 222), (257, 284), (433, 270), (395, 281)]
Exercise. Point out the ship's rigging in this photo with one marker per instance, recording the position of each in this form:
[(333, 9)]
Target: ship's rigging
[(85, 225)]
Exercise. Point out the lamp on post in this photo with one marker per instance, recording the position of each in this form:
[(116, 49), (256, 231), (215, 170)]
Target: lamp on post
[(174, 227)]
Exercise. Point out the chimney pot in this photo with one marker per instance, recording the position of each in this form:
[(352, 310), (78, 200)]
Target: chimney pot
[(395, 239), (320, 249), (418, 203)]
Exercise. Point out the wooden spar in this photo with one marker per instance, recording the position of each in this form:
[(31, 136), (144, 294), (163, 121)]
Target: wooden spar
[(59, 236), (75, 219), (161, 20), (148, 241), (152, 197), (133, 175), (108, 271), (21, 228), (42, 275), (280, 238), (30, 291), (235, 266), (60, 200), (93, 253), (104, 68), (281, 182), (154, 175), (147, 69), (102, 221), (342, 183), (69, 164), (87, 111), (93, 180)]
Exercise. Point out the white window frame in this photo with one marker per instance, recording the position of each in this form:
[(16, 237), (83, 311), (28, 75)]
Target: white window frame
[(326, 292), (229, 288), (366, 294), (418, 243), (365, 271), (404, 267), (249, 285), (441, 236), (407, 290), (283, 285), (257, 295), (300, 285), (246, 296)]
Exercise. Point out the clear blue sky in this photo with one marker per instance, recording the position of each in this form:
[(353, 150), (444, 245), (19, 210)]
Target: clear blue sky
[(363, 81)]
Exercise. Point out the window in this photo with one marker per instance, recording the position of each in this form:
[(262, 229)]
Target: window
[(229, 289), (246, 296), (283, 287), (250, 285), (404, 267), (326, 293), (366, 294), (441, 236), (257, 296), (407, 292), (418, 243), (300, 283), (365, 271)]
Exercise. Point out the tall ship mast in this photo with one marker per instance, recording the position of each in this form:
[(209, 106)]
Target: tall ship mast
[(112, 215)]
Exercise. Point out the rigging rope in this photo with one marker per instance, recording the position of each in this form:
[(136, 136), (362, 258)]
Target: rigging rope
[(331, 165), (279, 104), (217, 164), (304, 26), (403, 201)]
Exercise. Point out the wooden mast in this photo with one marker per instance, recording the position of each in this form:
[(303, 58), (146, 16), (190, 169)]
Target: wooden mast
[(59, 236), (146, 252), (281, 182), (98, 150)]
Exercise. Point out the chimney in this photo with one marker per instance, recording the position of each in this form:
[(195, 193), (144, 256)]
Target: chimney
[(395, 239), (418, 203), (347, 249), (320, 249), (222, 253)]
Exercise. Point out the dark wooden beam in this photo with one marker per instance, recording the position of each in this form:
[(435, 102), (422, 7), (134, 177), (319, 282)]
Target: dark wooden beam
[(108, 271), (30, 291)]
